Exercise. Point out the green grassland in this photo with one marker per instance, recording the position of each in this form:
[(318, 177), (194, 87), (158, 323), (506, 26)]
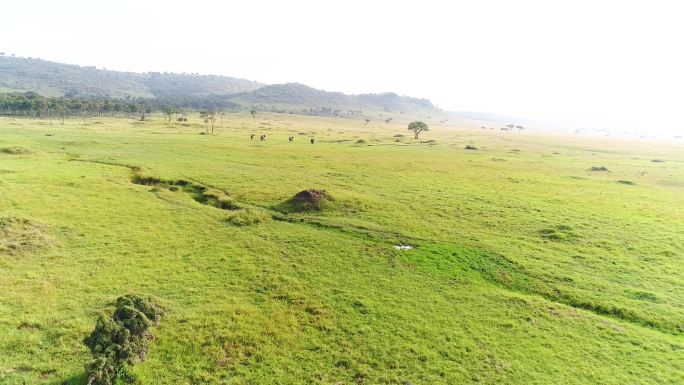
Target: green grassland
[(528, 267)]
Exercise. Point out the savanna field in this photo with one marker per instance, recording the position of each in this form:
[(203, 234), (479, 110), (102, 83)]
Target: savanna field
[(536, 259)]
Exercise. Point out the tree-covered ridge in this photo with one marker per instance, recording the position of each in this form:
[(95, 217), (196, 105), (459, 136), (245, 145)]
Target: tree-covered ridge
[(300, 95), (51, 79), (56, 79)]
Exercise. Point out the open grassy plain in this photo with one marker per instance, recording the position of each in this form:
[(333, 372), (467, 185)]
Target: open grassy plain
[(528, 267)]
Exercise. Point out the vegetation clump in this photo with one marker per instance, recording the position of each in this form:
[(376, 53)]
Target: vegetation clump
[(247, 217), (20, 235), (470, 147), (16, 150), (598, 168), (120, 339), (559, 233), (627, 182)]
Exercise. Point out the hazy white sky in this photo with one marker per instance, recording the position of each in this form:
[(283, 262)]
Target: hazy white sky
[(599, 63)]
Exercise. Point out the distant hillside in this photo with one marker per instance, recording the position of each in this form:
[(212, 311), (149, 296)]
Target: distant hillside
[(206, 91), (295, 95), (56, 79)]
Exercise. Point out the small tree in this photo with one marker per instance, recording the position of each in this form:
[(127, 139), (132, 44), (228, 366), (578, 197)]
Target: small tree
[(169, 110), (417, 127), (208, 116)]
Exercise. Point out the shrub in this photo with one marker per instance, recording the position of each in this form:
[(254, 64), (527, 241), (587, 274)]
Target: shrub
[(120, 339)]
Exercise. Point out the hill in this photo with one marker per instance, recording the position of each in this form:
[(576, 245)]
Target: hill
[(56, 79), (300, 95)]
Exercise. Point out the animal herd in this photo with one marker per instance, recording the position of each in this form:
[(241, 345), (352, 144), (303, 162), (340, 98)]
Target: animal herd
[(262, 138)]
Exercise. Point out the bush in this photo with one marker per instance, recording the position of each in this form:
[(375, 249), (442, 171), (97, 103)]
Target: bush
[(120, 339)]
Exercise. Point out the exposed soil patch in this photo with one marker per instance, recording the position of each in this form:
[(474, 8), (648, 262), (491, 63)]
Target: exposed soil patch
[(21, 236), (15, 150)]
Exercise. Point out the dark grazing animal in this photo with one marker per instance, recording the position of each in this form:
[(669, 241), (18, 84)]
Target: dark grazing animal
[(312, 140), (291, 138), (251, 136), (262, 137)]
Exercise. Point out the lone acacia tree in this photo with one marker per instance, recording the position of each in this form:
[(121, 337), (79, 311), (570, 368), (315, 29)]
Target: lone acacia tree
[(417, 127)]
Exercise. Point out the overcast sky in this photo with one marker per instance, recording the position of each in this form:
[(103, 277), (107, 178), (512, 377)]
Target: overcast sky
[(597, 63)]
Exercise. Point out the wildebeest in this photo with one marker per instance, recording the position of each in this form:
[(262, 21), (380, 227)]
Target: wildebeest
[(251, 136), (312, 140), (262, 137), (291, 138)]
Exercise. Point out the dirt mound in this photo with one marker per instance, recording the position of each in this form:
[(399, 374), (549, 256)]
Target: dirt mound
[(15, 150), (20, 236), (310, 199)]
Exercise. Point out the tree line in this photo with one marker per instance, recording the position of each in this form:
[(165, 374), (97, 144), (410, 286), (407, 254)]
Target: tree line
[(34, 105)]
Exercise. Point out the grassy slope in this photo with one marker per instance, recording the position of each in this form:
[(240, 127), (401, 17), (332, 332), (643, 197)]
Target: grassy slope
[(483, 299)]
